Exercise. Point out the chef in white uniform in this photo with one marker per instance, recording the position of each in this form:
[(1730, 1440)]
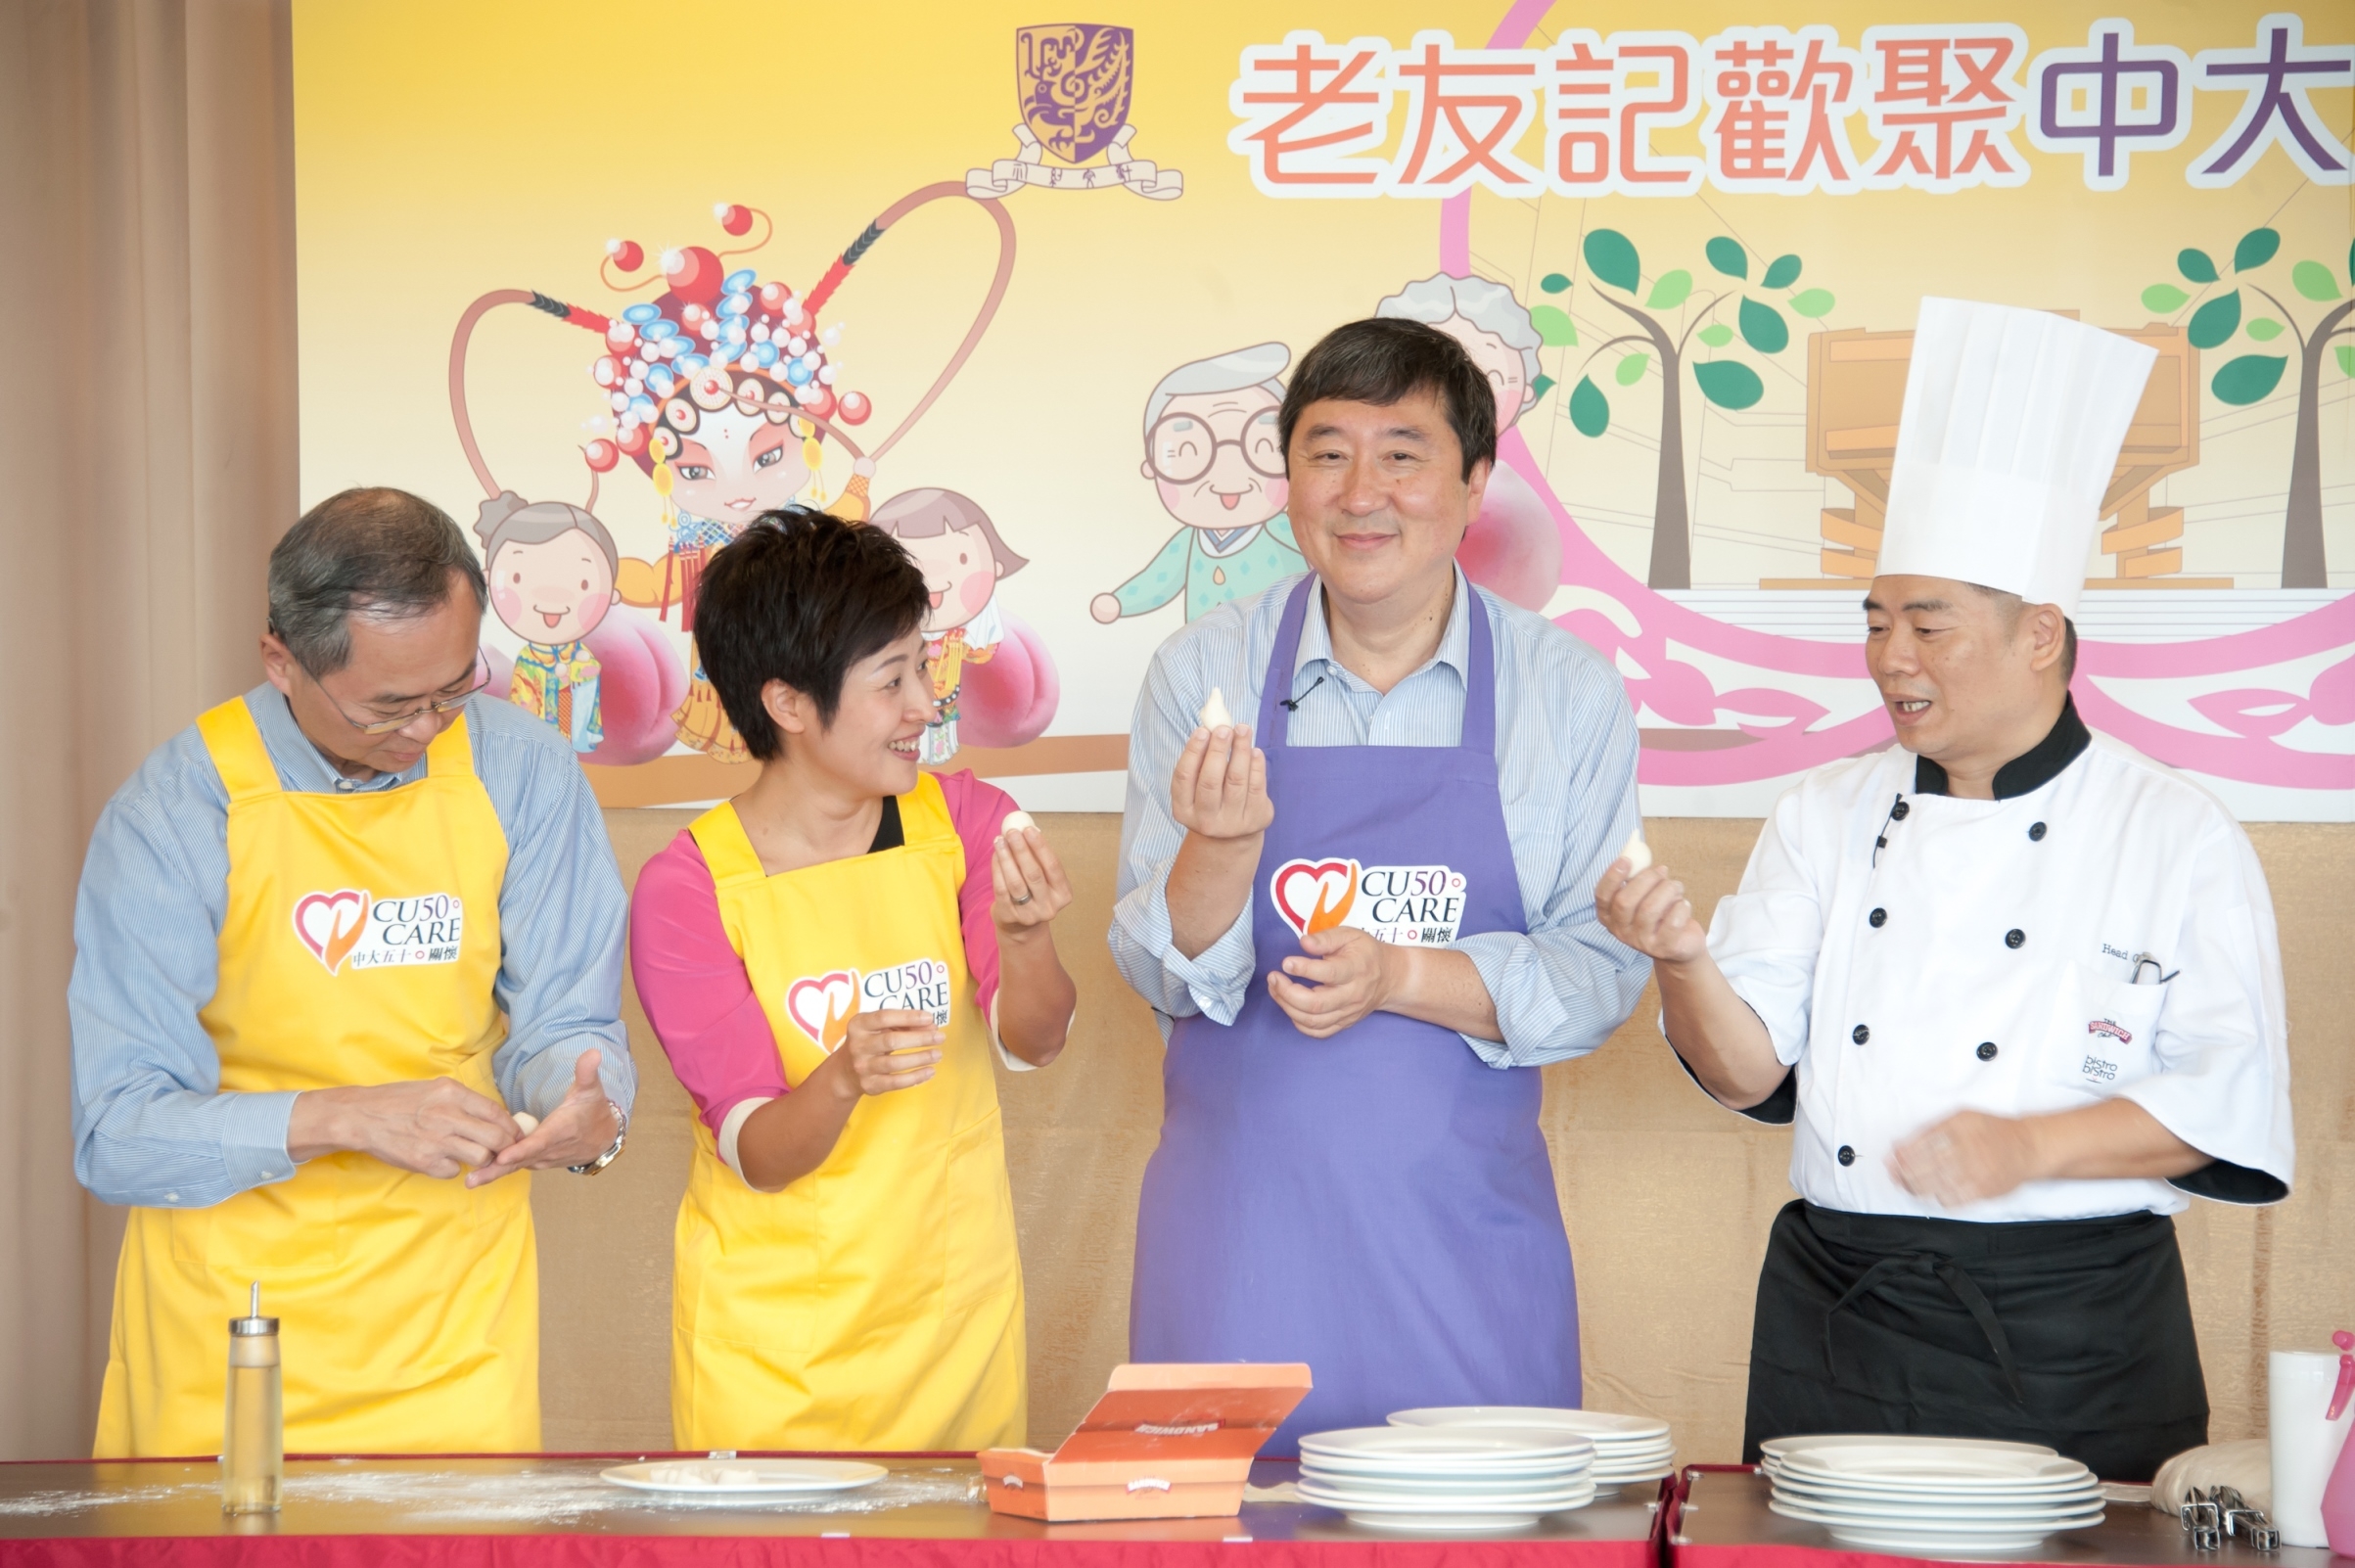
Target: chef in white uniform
[(2018, 985)]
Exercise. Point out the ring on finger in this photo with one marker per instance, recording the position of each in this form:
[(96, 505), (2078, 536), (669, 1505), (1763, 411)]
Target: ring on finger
[(1023, 899)]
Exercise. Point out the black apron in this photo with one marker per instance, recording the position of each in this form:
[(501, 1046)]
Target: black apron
[(2075, 1333)]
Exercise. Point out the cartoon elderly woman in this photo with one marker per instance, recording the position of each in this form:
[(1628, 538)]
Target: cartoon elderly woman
[(1514, 547), (963, 558), (551, 570)]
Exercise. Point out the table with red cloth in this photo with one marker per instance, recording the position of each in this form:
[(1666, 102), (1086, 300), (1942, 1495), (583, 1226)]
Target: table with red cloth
[(1718, 1518), (552, 1511)]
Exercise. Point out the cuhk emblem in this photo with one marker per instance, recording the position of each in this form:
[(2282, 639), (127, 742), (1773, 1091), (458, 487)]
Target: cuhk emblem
[(1074, 79)]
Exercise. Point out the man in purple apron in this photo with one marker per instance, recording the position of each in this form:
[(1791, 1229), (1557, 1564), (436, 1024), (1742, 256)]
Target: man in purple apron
[(1366, 935)]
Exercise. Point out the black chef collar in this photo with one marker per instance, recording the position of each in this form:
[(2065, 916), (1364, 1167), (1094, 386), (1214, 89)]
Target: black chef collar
[(2028, 772)]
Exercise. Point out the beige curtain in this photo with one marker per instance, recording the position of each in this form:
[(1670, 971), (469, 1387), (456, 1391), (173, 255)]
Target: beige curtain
[(146, 436)]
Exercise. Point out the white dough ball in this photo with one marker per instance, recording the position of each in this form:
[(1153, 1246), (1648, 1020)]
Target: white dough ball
[(1637, 854), (527, 1121), (1214, 711), (1015, 822)]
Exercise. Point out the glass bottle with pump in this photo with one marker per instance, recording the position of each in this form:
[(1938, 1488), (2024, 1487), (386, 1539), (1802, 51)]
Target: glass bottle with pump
[(253, 1434)]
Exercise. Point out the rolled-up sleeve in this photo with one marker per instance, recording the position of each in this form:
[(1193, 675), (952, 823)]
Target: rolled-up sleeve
[(150, 1122), (1214, 981), (562, 912), (1765, 937), (1562, 987), (2223, 1038)]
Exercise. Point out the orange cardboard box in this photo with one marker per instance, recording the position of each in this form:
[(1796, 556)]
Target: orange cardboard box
[(1167, 1440)]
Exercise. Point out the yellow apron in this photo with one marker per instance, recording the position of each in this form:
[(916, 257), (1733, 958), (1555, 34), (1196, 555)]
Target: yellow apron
[(359, 947), (875, 1304)]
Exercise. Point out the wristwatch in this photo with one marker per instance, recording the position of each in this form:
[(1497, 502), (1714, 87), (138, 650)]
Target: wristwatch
[(621, 1136)]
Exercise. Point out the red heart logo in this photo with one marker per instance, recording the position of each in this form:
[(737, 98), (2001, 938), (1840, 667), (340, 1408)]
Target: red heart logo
[(1314, 895), (822, 1005), (329, 924)]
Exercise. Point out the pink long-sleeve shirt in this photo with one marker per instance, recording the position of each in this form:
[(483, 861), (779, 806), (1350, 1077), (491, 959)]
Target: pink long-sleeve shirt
[(696, 992)]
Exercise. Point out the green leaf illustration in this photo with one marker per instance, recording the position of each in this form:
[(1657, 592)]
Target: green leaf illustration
[(2195, 266), (1539, 388), (2212, 323), (2313, 280), (1554, 283), (1553, 325), (1729, 383), (1670, 292), (1729, 258), (1763, 327), (2256, 248), (1782, 272), (1590, 409), (2265, 329), (1611, 256), (2248, 379), (2164, 297), (2346, 360), (1716, 335), (1813, 304), (1631, 369)]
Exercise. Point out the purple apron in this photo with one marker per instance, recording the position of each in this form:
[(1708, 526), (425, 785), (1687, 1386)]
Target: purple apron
[(1380, 1204)]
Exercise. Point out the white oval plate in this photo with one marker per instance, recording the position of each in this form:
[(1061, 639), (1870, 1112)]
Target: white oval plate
[(1336, 1495), (1447, 1445), (1775, 1449), (782, 1477), (1859, 1496), (1603, 1428), (1944, 1526), (1420, 1485)]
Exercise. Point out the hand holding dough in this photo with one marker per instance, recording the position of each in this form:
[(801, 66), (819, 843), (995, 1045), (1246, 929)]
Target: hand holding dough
[(1015, 822), (1214, 713), (527, 1122), (1637, 854)]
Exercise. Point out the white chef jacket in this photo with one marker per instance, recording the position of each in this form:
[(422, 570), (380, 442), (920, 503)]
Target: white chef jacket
[(1983, 957)]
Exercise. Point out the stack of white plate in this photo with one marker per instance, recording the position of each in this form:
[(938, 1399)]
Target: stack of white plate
[(1445, 1478), (1932, 1495), (1627, 1447)]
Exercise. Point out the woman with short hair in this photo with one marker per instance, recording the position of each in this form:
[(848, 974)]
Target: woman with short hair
[(828, 962)]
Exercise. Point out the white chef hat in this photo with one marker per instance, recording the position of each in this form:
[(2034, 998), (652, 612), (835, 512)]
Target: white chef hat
[(2010, 429)]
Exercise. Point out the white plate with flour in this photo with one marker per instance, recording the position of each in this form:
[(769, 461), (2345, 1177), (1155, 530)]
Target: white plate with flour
[(745, 1477)]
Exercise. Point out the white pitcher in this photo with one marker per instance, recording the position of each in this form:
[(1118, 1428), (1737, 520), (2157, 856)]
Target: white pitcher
[(2305, 1440)]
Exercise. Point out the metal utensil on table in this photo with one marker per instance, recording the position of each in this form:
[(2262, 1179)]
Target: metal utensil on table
[(2211, 1515)]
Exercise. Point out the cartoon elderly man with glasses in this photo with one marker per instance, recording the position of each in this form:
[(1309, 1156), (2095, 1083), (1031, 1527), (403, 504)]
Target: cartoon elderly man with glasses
[(1217, 464)]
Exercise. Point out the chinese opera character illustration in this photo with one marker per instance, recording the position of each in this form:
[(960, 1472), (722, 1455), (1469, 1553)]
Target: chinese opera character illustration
[(724, 389), (1216, 463), (963, 559)]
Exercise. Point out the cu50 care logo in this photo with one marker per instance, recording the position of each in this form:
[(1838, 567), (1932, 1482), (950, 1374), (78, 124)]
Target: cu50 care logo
[(822, 1006), (1413, 905), (349, 925)]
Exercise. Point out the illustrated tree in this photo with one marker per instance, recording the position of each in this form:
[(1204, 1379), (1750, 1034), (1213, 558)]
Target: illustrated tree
[(1612, 263), (2250, 378)]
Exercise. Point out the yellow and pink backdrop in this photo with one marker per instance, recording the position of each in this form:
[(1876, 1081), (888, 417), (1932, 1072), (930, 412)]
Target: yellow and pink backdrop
[(674, 266)]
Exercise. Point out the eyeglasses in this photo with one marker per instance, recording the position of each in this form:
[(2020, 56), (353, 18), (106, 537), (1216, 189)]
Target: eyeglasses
[(376, 724), (1180, 447)]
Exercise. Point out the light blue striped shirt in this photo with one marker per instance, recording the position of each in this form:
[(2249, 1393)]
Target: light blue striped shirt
[(1566, 768), (151, 1125)]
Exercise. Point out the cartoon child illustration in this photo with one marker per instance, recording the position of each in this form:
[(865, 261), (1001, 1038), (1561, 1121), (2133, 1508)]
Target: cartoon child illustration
[(1217, 464), (551, 570), (963, 558), (1514, 547)]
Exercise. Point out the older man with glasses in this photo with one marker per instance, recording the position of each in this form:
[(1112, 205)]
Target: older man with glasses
[(348, 949)]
